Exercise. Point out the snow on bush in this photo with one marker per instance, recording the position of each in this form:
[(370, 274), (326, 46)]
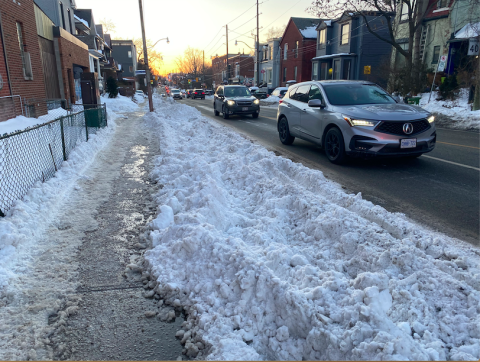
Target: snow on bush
[(458, 111), (272, 261)]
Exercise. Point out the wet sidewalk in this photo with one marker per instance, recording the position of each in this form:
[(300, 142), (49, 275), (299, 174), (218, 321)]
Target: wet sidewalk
[(109, 317)]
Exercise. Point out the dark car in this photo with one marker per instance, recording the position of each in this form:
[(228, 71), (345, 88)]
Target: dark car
[(208, 92), (189, 93), (198, 93), (235, 99)]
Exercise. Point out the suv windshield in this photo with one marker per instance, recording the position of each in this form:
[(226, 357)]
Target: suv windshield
[(356, 94), (237, 92), (175, 91)]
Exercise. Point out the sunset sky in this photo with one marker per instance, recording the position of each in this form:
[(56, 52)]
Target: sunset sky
[(194, 23)]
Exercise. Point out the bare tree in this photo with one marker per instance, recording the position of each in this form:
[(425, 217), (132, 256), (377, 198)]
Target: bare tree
[(409, 13), (109, 26), (155, 59), (275, 32), (191, 62)]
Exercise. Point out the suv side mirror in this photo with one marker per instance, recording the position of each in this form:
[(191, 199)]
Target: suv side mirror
[(316, 103)]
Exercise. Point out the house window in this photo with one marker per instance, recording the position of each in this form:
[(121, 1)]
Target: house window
[(285, 74), (323, 71), (130, 68), (336, 69), (129, 53), (285, 51), (265, 53), (404, 14), (345, 34), (296, 50), (237, 70), (347, 63), (26, 63), (269, 75), (399, 58), (322, 38), (315, 71), (295, 73), (436, 54), (70, 20), (271, 52), (63, 16)]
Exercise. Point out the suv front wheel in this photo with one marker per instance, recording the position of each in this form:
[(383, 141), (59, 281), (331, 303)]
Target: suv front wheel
[(335, 146)]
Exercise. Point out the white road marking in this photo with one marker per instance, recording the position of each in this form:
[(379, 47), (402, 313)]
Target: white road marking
[(453, 163)]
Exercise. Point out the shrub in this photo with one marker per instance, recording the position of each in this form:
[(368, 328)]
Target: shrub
[(112, 87), (448, 88)]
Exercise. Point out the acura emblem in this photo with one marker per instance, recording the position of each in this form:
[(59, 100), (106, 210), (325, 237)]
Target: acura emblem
[(407, 128)]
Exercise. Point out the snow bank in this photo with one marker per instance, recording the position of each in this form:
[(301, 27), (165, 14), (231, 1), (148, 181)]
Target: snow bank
[(273, 261), (26, 220), (20, 123), (271, 99), (458, 111), (119, 104)]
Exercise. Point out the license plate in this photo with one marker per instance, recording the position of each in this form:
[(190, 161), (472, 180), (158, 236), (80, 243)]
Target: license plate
[(408, 143), (245, 109)]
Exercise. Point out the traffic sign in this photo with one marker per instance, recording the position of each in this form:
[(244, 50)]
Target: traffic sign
[(473, 46), (442, 63)]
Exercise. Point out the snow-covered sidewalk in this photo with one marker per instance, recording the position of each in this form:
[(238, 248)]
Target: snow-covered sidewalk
[(272, 261)]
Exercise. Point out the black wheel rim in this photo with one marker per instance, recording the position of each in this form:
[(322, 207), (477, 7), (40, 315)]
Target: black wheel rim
[(333, 145), (283, 130)]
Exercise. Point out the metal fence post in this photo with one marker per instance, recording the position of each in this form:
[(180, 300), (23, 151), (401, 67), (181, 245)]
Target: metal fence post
[(85, 119), (63, 139)]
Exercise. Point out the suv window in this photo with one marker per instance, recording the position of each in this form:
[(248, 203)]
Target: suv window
[(302, 93), (291, 93), (315, 93), (237, 92)]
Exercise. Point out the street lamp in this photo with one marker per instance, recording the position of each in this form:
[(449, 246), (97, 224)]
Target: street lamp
[(239, 41), (159, 40)]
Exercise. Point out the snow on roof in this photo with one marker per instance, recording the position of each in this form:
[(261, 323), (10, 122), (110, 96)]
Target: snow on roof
[(310, 32), (328, 22), (471, 30), (81, 20), (333, 55)]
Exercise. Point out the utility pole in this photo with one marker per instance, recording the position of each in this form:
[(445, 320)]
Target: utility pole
[(228, 73), (257, 53), (203, 67), (145, 57)]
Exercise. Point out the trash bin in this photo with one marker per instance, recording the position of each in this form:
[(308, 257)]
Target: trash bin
[(414, 100)]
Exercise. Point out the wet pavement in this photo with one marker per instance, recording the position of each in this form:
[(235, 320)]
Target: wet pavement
[(112, 319)]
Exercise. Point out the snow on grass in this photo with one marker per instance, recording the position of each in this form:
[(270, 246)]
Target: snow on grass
[(26, 220), (454, 114), (272, 261)]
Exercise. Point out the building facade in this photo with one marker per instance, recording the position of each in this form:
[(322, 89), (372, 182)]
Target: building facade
[(297, 49), (270, 63), (60, 12), (240, 69), (126, 57), (347, 50), (21, 71)]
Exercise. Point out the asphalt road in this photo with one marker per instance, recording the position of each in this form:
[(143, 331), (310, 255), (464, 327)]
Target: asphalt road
[(440, 190)]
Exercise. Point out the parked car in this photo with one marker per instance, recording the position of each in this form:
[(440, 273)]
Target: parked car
[(260, 93), (198, 93), (176, 94), (354, 118), (279, 92), (235, 99), (208, 92), (141, 93), (189, 93)]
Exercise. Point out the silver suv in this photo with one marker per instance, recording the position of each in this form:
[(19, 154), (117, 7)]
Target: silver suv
[(355, 118)]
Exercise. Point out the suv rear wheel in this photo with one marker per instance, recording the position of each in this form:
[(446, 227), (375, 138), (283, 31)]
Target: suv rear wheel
[(284, 133)]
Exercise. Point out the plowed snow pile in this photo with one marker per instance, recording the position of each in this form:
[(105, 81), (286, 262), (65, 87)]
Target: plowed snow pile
[(273, 261)]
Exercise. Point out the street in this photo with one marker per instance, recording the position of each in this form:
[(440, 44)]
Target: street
[(439, 190)]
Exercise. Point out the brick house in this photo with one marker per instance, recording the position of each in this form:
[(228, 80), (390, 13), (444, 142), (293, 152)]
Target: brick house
[(297, 48), (240, 68), (21, 69)]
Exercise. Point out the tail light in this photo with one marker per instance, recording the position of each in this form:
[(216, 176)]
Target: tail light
[(203, 92), (280, 101)]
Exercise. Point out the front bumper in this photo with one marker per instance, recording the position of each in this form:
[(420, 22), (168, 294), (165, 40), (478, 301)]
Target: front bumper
[(236, 109), (368, 144)]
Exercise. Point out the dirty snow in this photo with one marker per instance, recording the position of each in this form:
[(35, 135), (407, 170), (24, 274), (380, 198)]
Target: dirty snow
[(272, 261), (458, 111)]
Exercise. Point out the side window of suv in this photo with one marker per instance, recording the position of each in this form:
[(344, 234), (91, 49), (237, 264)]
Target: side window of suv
[(315, 93), (302, 93), (291, 93)]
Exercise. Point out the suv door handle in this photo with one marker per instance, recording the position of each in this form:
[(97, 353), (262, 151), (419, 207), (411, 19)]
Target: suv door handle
[(304, 110)]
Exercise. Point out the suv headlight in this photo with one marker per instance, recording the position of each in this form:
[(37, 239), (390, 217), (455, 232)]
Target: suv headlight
[(360, 122), (431, 119), (256, 101), (231, 103)]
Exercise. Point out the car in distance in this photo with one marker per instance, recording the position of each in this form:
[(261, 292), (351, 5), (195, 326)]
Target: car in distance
[(354, 118), (198, 93), (176, 94), (208, 92), (189, 93), (235, 99), (279, 92)]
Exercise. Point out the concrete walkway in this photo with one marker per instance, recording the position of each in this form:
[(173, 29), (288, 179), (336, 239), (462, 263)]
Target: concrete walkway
[(108, 317)]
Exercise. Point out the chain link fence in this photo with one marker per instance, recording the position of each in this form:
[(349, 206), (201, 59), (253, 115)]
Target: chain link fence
[(36, 153)]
